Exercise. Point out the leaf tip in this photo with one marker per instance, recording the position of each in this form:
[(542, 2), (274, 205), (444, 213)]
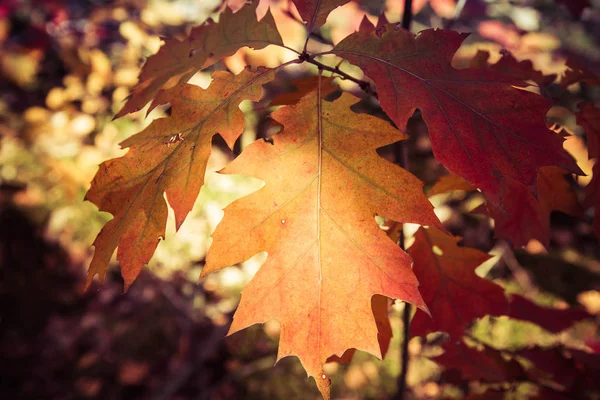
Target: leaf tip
[(324, 385), (90, 279)]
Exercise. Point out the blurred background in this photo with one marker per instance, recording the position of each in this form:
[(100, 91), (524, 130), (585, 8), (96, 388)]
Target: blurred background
[(65, 68)]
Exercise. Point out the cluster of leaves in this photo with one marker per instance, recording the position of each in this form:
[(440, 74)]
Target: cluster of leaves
[(329, 263)]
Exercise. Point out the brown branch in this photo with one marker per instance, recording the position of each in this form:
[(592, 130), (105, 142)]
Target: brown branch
[(401, 158), (364, 85), (407, 16)]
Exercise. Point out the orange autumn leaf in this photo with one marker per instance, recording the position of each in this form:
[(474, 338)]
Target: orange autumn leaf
[(327, 256), (178, 60), (449, 183), (380, 307), (169, 156)]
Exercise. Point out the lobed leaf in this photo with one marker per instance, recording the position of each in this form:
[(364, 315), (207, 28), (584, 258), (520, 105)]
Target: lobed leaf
[(588, 117), (169, 156), (178, 60), (482, 127), (551, 319), (453, 292), (315, 12), (487, 364), (327, 257), (519, 216)]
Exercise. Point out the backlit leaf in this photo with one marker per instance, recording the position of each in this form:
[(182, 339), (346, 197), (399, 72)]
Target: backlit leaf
[(481, 126), (169, 156), (327, 257), (453, 292), (178, 60)]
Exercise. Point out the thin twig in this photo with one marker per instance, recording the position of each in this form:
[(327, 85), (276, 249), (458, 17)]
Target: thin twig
[(405, 356), (401, 158), (364, 85), (407, 16), (521, 276)]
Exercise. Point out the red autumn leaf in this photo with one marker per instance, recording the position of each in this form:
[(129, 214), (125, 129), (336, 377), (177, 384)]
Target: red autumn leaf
[(550, 365), (178, 60), (481, 126), (551, 319), (489, 394), (509, 65), (453, 292), (574, 371), (592, 196), (520, 217), (169, 156), (588, 365), (315, 12), (544, 393), (327, 256), (588, 117), (487, 364)]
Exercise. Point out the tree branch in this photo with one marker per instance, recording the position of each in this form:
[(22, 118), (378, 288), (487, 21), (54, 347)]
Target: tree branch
[(407, 16), (401, 158), (364, 85)]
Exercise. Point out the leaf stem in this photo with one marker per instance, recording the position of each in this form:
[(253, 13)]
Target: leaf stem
[(364, 85)]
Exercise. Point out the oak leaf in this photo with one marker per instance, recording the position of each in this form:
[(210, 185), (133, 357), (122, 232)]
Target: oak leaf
[(315, 12), (550, 365), (520, 216), (551, 319), (327, 256), (453, 292), (509, 65), (588, 117), (380, 307), (449, 183), (169, 156), (592, 196), (577, 71), (482, 126), (487, 364), (178, 60)]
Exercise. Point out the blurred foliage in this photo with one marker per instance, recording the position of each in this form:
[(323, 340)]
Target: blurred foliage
[(65, 68)]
